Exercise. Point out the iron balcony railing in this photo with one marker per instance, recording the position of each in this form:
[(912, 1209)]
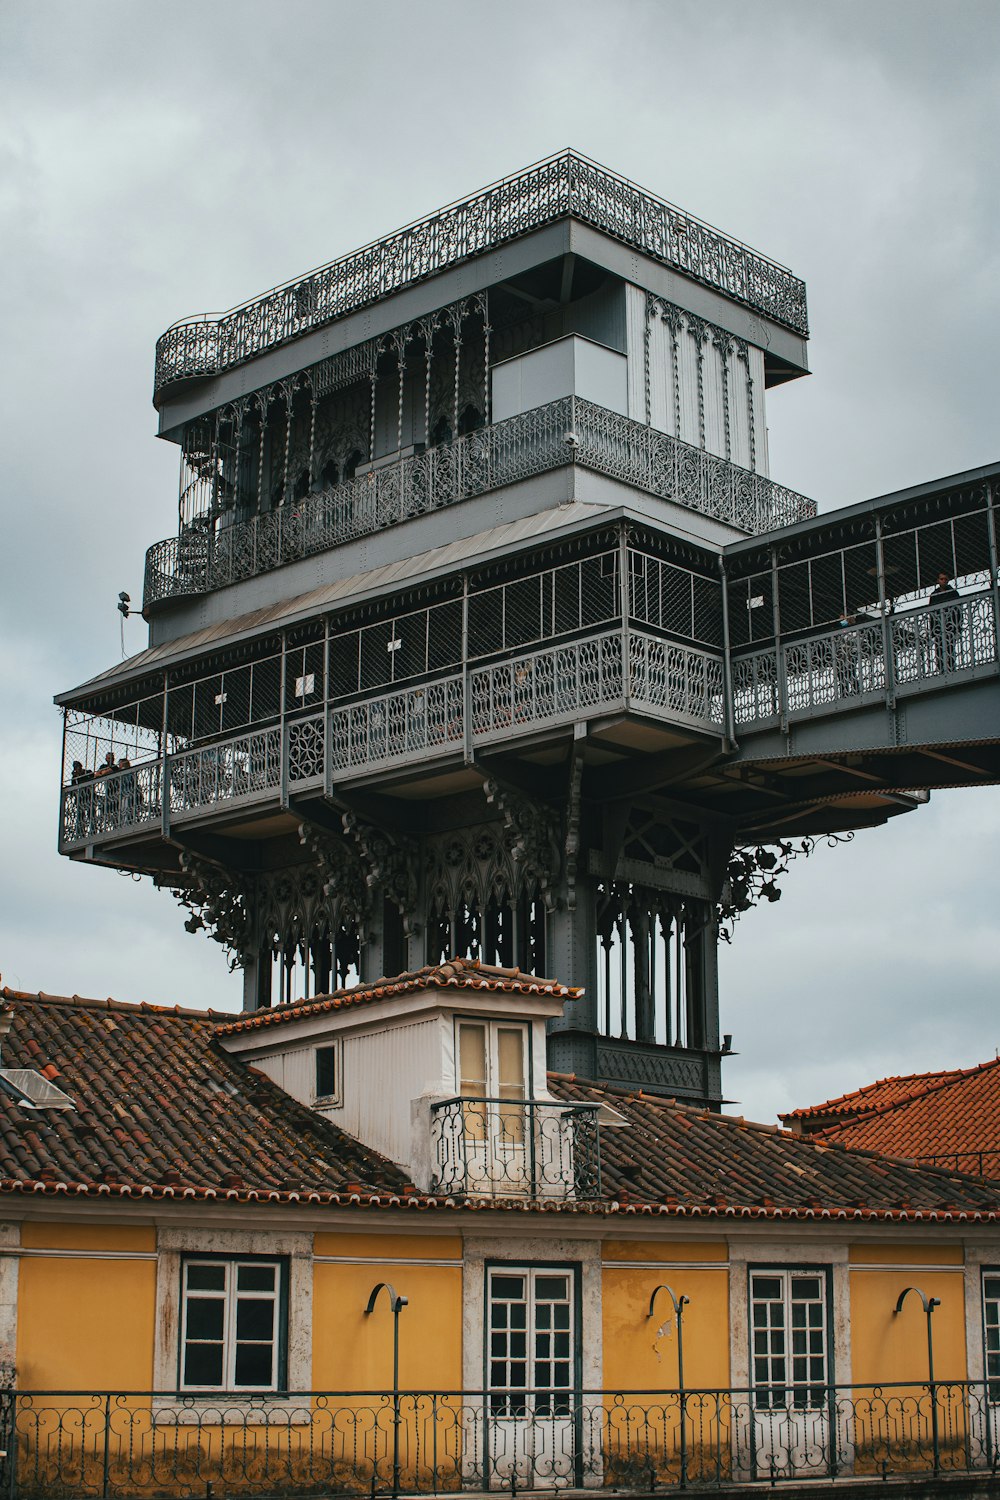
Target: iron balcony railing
[(570, 430), (515, 1148), (504, 700), (875, 662), (564, 185), (131, 1445)]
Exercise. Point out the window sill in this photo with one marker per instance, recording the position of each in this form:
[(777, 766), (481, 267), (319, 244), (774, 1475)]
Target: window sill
[(203, 1408)]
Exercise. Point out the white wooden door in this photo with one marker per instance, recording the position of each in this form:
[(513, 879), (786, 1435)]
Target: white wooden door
[(531, 1416), (790, 1372), (492, 1059)]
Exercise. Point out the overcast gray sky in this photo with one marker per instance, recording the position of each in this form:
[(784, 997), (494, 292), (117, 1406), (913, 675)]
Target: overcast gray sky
[(160, 161)]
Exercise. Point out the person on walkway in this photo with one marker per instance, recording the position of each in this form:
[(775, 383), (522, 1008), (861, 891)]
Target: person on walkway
[(946, 625)]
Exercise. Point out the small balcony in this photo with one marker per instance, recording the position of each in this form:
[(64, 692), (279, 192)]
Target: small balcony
[(568, 431), (515, 1148)]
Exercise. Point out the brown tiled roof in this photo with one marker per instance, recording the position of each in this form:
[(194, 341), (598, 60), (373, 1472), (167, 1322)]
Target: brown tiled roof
[(952, 1118), (692, 1161), (457, 973), (162, 1110)]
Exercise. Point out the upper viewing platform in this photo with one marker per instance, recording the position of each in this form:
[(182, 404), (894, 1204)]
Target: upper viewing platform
[(566, 185)]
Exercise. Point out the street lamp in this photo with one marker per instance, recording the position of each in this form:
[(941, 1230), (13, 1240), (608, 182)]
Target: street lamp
[(678, 1304), (928, 1304), (396, 1304)]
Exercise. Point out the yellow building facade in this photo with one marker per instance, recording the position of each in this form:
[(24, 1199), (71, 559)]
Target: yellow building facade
[(205, 1279)]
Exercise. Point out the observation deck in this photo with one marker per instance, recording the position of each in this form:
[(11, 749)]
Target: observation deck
[(744, 659), (564, 432), (564, 185)]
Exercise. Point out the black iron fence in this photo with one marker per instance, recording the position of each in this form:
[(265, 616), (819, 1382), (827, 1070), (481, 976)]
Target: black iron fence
[(504, 1148), (141, 1444)]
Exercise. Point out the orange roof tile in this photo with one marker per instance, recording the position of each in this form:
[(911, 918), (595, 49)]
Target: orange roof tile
[(951, 1118), (164, 1112), (456, 973)]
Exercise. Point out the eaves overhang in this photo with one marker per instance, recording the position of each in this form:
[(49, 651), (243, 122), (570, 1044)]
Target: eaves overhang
[(800, 532), (574, 518)]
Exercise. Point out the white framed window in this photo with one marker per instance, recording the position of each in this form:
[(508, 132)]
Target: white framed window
[(234, 1315), (991, 1333), (531, 1340), (493, 1060), (328, 1063), (789, 1339)]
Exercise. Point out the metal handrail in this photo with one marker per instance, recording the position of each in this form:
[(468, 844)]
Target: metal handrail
[(570, 430), (133, 1443), (563, 185)]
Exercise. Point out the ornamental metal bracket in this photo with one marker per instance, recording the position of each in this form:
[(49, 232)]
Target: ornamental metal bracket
[(391, 861), (342, 875), (533, 836), (218, 902)]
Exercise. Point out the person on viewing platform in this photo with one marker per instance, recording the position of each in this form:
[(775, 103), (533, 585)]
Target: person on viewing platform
[(946, 627), (128, 801)]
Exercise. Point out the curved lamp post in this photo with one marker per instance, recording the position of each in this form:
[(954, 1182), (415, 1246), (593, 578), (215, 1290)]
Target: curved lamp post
[(928, 1304), (678, 1304), (396, 1304)]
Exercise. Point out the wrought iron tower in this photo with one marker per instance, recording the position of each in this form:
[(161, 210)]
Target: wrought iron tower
[(486, 632)]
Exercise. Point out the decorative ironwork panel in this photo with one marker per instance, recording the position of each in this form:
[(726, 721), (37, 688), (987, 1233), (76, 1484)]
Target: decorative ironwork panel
[(835, 668), (755, 687), (306, 749), (943, 640), (682, 682), (232, 770), (498, 1148), (98, 807), (511, 696), (418, 721), (564, 185)]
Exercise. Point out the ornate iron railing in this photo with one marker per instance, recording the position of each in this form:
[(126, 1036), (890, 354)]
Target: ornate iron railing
[(504, 1148), (228, 771), (414, 721), (564, 185), (849, 665), (136, 1444), (681, 682), (840, 669), (119, 802), (570, 430), (544, 687)]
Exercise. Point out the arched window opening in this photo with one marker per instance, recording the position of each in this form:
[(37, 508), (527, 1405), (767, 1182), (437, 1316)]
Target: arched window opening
[(470, 420), (440, 432), (509, 934), (304, 966), (651, 980)]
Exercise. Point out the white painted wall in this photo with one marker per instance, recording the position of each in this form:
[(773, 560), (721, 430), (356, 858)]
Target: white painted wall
[(569, 366), (727, 381)]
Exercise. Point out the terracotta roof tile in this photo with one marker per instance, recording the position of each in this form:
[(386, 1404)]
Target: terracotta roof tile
[(885, 1091), (951, 1118), (156, 1095), (457, 973), (164, 1112), (673, 1153)]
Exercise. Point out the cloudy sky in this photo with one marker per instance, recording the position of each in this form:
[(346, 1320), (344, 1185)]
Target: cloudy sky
[(156, 162)]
